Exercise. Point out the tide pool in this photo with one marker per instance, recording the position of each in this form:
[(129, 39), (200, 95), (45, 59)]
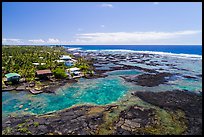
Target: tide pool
[(99, 91)]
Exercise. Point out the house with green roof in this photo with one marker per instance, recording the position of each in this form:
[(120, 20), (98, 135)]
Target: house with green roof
[(12, 77)]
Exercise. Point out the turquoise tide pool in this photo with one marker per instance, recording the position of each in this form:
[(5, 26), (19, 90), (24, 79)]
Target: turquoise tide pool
[(99, 91)]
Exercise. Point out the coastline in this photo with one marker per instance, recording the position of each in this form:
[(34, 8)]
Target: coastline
[(169, 49), (83, 118), (119, 123)]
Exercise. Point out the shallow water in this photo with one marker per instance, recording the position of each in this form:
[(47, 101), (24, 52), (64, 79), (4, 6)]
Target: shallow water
[(99, 91), (102, 91)]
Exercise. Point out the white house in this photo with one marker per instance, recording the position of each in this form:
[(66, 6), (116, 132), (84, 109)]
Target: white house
[(60, 61), (38, 64), (75, 72), (67, 60), (65, 57)]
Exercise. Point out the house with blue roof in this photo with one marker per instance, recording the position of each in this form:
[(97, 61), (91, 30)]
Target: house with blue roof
[(13, 77)]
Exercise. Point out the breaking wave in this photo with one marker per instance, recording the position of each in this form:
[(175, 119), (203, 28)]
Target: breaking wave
[(179, 55)]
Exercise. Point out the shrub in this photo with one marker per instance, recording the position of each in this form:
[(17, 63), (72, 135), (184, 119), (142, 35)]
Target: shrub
[(36, 124), (41, 67), (59, 73), (7, 131)]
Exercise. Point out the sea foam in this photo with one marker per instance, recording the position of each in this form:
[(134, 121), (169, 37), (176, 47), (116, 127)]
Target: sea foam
[(72, 49), (178, 55)]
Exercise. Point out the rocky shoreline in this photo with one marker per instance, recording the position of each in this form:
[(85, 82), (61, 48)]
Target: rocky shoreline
[(134, 120), (46, 87), (52, 86), (188, 102), (176, 112)]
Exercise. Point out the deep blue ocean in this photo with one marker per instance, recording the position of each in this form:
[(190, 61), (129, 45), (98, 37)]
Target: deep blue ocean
[(178, 49)]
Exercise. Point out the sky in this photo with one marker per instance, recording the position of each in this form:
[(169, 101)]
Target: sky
[(102, 23)]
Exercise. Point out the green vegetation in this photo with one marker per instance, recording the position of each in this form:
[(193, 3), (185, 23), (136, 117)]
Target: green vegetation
[(23, 128), (167, 123), (36, 124), (59, 73), (84, 65), (107, 128), (21, 125), (7, 131), (20, 59), (3, 84)]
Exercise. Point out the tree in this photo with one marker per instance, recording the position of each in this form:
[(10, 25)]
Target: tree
[(20, 58), (59, 73)]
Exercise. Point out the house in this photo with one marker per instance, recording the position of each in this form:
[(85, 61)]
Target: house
[(74, 60), (44, 74), (65, 57), (60, 61), (69, 63), (77, 54), (13, 77), (67, 60), (37, 64), (75, 72)]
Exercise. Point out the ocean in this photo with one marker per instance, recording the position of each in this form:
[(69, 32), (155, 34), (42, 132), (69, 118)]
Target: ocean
[(185, 62), (176, 49)]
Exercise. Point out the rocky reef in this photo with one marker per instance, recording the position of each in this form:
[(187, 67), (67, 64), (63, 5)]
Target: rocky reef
[(149, 80), (188, 102), (175, 112)]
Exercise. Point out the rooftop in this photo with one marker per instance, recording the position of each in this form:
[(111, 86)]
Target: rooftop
[(42, 72), (74, 69), (65, 57), (60, 61), (9, 75), (38, 63)]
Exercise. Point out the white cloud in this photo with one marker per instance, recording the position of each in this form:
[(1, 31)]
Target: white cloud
[(56, 41), (11, 41), (155, 3), (130, 37), (37, 41), (133, 38), (53, 41), (33, 41), (106, 5), (102, 26)]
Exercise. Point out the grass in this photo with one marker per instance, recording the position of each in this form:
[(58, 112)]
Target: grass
[(168, 123), (107, 128), (165, 123), (7, 131), (109, 117), (20, 125), (23, 128), (95, 110), (36, 124)]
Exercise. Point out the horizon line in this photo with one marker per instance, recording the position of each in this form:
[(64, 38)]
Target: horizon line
[(102, 45)]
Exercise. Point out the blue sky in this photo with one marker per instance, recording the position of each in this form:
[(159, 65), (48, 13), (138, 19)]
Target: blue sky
[(102, 23)]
